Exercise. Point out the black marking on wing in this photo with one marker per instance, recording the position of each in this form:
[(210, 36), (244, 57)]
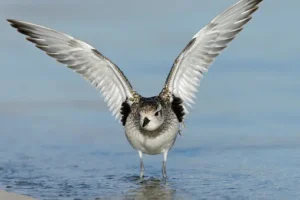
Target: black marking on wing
[(178, 108), (125, 110)]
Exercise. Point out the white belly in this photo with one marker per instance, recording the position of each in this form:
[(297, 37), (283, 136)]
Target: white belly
[(152, 145)]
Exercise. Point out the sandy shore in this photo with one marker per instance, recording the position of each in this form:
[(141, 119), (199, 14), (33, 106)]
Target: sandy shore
[(12, 196)]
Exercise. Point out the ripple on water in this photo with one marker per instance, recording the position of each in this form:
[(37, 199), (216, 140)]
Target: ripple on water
[(212, 175)]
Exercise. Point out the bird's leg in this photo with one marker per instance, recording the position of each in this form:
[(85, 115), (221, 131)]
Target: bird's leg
[(164, 167), (141, 164)]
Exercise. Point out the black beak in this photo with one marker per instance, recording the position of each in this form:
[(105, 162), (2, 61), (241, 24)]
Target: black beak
[(146, 121)]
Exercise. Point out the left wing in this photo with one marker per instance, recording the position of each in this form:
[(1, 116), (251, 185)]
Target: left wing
[(187, 71)]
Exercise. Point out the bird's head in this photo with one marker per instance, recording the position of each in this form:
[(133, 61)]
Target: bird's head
[(151, 116)]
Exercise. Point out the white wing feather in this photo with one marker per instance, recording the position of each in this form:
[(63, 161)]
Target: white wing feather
[(206, 45), (82, 58)]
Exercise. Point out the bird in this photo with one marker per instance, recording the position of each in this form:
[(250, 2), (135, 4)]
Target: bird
[(151, 124)]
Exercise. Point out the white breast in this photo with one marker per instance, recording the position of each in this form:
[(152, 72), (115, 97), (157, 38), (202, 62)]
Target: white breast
[(152, 145)]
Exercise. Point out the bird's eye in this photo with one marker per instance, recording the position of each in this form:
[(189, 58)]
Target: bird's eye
[(156, 114)]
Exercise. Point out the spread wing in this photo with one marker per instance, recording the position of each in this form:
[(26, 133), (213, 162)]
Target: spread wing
[(199, 54), (83, 59)]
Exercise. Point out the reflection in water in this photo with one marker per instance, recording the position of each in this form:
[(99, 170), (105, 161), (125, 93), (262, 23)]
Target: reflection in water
[(151, 188)]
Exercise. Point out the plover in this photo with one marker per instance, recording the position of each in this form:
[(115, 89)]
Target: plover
[(151, 124)]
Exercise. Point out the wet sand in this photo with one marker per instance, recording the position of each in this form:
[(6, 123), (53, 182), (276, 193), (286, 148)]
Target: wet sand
[(12, 196)]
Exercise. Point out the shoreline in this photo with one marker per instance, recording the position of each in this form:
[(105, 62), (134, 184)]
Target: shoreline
[(13, 196)]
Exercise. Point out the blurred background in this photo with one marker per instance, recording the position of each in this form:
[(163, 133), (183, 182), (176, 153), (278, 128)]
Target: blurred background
[(55, 127)]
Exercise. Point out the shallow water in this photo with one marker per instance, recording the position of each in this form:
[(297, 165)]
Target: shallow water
[(75, 156)]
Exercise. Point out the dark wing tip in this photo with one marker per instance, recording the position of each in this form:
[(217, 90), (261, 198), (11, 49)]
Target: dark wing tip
[(22, 27), (16, 24), (13, 22)]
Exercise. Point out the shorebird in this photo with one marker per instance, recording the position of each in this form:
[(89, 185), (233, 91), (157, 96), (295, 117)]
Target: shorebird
[(151, 124)]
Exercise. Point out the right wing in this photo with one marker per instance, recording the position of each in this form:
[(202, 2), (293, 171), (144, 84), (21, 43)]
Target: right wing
[(84, 59)]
